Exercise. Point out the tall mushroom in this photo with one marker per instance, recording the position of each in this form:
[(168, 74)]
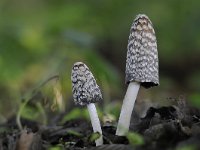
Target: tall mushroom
[(86, 92), (141, 67)]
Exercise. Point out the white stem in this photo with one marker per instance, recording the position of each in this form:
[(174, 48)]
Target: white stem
[(127, 108), (95, 122)]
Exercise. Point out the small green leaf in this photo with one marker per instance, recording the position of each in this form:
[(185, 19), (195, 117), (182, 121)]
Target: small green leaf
[(57, 147), (135, 138), (74, 114), (30, 112), (75, 133), (94, 136)]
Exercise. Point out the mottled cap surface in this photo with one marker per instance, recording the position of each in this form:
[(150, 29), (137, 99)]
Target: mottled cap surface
[(84, 87), (142, 55)]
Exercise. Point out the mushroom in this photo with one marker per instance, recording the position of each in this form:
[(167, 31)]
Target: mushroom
[(141, 67), (86, 92)]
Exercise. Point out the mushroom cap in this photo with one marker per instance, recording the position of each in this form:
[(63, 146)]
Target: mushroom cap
[(142, 55), (84, 87)]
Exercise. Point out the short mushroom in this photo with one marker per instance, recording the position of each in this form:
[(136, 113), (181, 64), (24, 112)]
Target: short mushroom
[(86, 92), (141, 67)]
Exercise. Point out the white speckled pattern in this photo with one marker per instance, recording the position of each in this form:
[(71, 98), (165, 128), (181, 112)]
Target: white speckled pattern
[(142, 55), (84, 87)]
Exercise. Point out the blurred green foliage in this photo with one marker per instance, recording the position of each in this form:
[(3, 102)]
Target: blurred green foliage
[(188, 147), (76, 113), (81, 113), (195, 99), (135, 138), (40, 39)]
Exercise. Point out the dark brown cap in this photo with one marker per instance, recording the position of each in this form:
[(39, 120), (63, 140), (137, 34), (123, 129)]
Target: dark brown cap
[(142, 55), (84, 87)]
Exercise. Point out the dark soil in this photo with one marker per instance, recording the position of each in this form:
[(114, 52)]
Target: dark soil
[(164, 128)]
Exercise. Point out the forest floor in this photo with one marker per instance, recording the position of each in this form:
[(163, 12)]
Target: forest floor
[(175, 127)]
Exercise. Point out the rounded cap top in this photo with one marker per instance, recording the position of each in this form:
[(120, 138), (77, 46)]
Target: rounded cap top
[(84, 87), (142, 55)]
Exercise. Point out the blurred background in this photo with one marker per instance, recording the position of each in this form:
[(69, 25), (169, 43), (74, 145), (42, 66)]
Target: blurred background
[(40, 40)]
